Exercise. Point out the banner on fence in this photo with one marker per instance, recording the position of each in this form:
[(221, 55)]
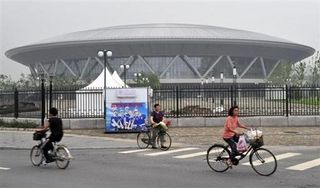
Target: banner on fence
[(127, 109)]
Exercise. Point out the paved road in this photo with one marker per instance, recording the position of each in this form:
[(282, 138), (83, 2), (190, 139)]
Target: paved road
[(179, 167)]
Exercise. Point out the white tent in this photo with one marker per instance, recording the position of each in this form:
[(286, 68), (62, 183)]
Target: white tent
[(117, 78), (89, 100)]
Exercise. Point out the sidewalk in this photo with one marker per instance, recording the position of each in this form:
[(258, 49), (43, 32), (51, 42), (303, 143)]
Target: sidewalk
[(96, 138), (304, 136)]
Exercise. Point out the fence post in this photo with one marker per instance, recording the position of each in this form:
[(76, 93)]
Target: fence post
[(43, 102), (16, 103), (287, 100), (177, 101)]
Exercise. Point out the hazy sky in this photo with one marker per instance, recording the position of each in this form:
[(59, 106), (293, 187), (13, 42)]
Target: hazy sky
[(23, 22)]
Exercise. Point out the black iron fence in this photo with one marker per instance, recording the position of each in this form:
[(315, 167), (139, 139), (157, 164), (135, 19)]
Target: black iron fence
[(178, 101)]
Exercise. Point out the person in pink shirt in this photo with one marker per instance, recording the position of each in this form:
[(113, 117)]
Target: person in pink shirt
[(231, 133)]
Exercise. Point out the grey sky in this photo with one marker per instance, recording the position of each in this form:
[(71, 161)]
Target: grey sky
[(23, 22)]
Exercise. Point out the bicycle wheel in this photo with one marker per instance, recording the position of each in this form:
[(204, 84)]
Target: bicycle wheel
[(63, 157), (164, 141), (36, 155), (217, 156), (143, 140), (263, 162)]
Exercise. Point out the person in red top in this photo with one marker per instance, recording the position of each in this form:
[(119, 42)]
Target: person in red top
[(230, 133)]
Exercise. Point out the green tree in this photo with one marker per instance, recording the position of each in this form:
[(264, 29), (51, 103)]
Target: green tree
[(146, 80), (298, 74), (6, 82), (282, 73), (315, 69)]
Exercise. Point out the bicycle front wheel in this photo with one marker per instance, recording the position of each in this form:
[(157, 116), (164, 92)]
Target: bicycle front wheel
[(217, 157), (63, 157), (263, 162), (36, 155), (164, 141), (143, 140)]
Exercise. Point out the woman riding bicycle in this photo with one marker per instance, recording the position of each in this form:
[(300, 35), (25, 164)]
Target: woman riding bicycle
[(230, 134), (54, 123)]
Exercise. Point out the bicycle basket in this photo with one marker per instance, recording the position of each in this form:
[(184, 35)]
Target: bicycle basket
[(257, 142), (38, 136)]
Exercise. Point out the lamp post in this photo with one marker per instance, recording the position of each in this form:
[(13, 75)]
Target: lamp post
[(137, 76), (221, 81), (145, 80), (105, 54), (43, 98), (50, 91), (234, 73), (125, 68)]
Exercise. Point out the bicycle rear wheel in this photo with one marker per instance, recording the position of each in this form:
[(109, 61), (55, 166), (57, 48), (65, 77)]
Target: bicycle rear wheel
[(164, 141), (63, 157), (143, 140), (217, 156), (36, 155), (263, 162)]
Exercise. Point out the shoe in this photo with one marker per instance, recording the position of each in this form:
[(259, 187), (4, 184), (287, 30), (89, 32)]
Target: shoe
[(229, 163), (164, 147), (44, 163), (154, 147)]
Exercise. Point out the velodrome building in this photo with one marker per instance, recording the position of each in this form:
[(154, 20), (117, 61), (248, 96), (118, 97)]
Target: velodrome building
[(176, 53)]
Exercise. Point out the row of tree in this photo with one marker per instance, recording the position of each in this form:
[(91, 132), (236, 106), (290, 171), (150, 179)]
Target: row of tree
[(303, 72)]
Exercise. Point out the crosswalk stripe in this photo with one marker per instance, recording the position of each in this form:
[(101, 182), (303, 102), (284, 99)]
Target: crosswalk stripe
[(190, 155), (270, 159), (3, 168), (170, 151), (134, 151), (306, 165)]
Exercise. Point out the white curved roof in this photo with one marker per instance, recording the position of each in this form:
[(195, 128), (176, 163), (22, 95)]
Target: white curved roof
[(162, 31), (160, 40)]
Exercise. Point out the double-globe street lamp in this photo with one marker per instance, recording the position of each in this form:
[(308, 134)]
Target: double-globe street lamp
[(234, 74), (105, 54), (125, 68)]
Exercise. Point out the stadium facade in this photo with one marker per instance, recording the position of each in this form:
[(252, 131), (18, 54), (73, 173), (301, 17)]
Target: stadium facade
[(176, 53)]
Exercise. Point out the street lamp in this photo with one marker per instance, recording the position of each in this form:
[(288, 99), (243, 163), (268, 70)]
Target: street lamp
[(234, 73), (137, 76), (221, 81), (105, 54), (125, 68)]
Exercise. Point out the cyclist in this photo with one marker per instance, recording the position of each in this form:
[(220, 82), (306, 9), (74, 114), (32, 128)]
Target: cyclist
[(158, 125), (231, 134), (54, 123)]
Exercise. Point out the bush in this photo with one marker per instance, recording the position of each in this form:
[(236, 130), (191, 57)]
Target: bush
[(17, 124)]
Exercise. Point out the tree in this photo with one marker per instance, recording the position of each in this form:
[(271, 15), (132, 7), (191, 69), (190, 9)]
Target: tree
[(6, 82), (146, 80), (315, 69), (282, 73), (299, 73)]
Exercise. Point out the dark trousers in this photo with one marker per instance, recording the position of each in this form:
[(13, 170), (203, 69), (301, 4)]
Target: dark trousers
[(49, 146), (233, 144)]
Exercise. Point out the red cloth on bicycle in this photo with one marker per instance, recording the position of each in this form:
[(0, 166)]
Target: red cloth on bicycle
[(230, 125)]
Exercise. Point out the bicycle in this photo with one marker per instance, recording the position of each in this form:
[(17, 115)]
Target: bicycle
[(144, 139), (260, 158), (60, 153)]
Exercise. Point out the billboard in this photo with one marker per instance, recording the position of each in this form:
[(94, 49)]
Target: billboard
[(126, 110)]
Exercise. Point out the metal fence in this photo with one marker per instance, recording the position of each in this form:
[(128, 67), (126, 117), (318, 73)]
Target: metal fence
[(178, 101)]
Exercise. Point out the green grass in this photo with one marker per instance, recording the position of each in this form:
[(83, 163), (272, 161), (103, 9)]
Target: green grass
[(16, 124), (309, 101)]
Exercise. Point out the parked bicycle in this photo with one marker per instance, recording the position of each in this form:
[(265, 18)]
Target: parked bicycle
[(60, 154), (261, 160), (144, 139)]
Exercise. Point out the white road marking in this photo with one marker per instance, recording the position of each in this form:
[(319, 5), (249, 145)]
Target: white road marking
[(306, 165), (170, 151), (134, 151), (190, 155), (4, 168), (270, 159)]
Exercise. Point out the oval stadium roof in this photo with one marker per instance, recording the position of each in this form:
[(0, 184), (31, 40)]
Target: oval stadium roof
[(160, 40)]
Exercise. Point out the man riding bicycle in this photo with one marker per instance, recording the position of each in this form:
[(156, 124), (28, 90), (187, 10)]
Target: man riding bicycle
[(55, 125), (158, 125)]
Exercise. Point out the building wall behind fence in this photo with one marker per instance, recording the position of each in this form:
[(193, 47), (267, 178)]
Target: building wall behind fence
[(177, 102)]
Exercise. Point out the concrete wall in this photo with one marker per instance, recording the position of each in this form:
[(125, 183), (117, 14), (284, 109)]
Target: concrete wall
[(260, 121)]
